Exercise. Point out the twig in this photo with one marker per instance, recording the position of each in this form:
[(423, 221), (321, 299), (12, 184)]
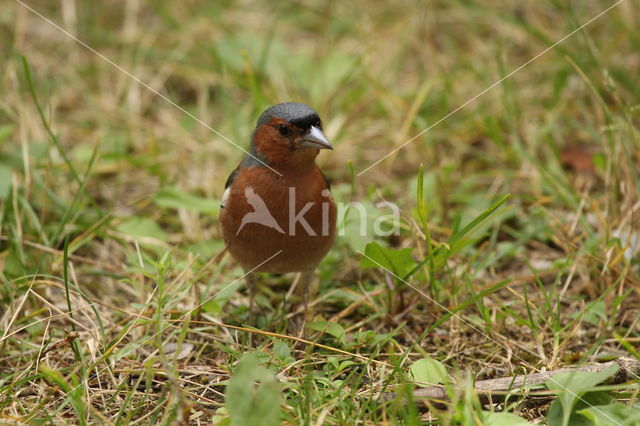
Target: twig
[(629, 370)]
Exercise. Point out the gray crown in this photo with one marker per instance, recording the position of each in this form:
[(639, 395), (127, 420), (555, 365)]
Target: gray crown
[(298, 114)]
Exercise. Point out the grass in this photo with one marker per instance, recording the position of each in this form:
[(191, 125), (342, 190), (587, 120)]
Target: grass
[(519, 212)]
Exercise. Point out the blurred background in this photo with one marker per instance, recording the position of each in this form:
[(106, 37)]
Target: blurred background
[(127, 176)]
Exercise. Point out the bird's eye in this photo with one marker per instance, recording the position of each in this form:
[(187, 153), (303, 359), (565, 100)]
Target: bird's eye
[(284, 130)]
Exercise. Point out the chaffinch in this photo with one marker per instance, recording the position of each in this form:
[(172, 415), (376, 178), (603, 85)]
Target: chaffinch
[(277, 212)]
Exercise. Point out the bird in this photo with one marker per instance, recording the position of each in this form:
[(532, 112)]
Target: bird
[(277, 212)]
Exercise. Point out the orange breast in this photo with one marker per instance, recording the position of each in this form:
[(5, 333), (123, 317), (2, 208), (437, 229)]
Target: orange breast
[(288, 221)]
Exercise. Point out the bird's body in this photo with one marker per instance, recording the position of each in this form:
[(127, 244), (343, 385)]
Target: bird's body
[(260, 214), (253, 242), (277, 213)]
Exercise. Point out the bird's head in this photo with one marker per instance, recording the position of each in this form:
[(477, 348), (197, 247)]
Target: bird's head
[(289, 134)]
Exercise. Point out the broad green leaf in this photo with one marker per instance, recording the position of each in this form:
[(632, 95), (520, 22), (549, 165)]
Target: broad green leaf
[(612, 413), (10, 264), (175, 198), (345, 364), (593, 313), (281, 351), (5, 181), (206, 249), (6, 130), (428, 370), (357, 221), (142, 227), (572, 386), (253, 395), (503, 419), (400, 262), (332, 328), (212, 307), (556, 414), (226, 292)]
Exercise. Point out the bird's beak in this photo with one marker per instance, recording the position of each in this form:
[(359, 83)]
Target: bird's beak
[(315, 139)]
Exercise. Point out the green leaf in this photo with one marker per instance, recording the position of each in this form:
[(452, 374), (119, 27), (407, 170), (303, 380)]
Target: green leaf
[(600, 162), (344, 365), (422, 214), (13, 267), (503, 419), (281, 351), (332, 328), (142, 227), (400, 262), (428, 370), (253, 395), (74, 393), (212, 307), (556, 414), (175, 198), (593, 313), (572, 387), (127, 350), (6, 130), (355, 220), (5, 181), (457, 240), (603, 415)]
